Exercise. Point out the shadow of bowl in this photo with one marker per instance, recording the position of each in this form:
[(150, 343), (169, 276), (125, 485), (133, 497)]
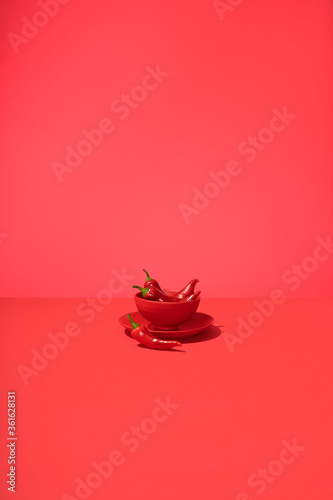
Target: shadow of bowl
[(212, 332)]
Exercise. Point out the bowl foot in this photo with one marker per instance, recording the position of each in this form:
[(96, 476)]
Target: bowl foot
[(166, 328)]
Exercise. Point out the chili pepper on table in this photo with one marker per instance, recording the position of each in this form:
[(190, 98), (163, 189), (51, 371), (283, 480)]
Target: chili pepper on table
[(153, 293), (143, 335), (151, 281), (186, 291)]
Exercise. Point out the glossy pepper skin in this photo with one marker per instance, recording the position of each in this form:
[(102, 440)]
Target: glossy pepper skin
[(153, 293), (191, 297), (142, 335), (186, 291), (151, 281)]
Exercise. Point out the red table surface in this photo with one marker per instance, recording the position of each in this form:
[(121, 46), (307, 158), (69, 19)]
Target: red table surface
[(201, 422)]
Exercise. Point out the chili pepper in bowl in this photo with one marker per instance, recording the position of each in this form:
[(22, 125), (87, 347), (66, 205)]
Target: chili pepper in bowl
[(143, 335), (150, 292), (151, 281), (191, 297), (186, 291)]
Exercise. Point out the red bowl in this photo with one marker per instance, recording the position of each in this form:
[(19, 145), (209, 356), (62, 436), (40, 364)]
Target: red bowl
[(166, 315)]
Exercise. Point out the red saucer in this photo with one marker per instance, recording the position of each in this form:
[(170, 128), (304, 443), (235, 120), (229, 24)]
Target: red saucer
[(197, 324)]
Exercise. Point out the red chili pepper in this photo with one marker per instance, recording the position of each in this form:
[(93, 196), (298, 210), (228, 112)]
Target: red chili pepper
[(153, 293), (191, 297), (141, 334), (186, 291), (151, 281)]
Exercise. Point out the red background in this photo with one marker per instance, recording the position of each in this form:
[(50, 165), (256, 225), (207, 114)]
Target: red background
[(120, 206)]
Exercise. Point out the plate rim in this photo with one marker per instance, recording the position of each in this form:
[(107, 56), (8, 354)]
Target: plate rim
[(185, 332)]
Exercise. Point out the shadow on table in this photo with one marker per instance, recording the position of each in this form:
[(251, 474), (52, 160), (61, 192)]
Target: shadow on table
[(161, 350)]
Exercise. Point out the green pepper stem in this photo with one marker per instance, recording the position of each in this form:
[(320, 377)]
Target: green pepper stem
[(134, 325), (142, 290), (148, 277)]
